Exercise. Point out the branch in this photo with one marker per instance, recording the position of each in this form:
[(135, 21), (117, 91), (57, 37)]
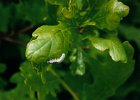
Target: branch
[(8, 37), (74, 95), (25, 29)]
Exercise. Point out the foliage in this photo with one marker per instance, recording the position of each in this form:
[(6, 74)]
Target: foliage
[(79, 49)]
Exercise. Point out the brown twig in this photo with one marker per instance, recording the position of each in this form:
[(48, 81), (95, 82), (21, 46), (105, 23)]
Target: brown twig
[(25, 29), (9, 38)]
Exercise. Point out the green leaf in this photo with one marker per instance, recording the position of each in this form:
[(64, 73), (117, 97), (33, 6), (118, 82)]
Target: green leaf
[(108, 75), (127, 89), (19, 91), (130, 33), (34, 12), (72, 10), (79, 4), (33, 84), (4, 18), (73, 55), (33, 81), (3, 82), (57, 2), (78, 67), (116, 50), (25, 38), (2, 68), (107, 15), (48, 42)]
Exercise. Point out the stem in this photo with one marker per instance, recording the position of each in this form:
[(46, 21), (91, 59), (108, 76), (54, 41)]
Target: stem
[(74, 95), (70, 3), (25, 29), (8, 37)]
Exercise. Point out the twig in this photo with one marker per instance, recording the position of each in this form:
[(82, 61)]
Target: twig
[(8, 37), (25, 29), (74, 95)]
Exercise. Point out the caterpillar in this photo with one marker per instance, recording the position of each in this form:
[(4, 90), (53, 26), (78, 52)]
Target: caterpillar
[(57, 60)]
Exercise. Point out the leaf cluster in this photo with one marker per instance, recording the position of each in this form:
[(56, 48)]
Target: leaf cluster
[(96, 60)]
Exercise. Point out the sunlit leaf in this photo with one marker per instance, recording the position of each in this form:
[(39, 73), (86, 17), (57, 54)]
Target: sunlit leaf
[(48, 42), (116, 50), (108, 75), (109, 14)]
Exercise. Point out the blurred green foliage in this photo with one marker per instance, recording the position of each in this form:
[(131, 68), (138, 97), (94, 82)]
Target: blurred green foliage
[(86, 74)]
